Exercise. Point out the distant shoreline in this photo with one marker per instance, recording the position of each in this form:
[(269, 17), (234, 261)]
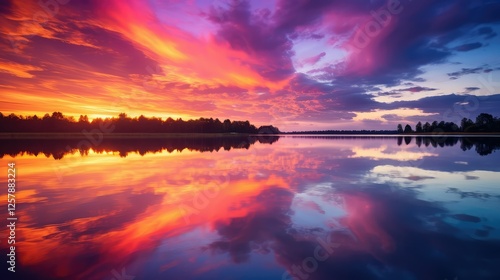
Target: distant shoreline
[(77, 135), (451, 133), (74, 135), (434, 135)]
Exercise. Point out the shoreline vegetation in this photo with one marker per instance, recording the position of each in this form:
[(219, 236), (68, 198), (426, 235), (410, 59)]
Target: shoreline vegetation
[(484, 124), (124, 126), (387, 133), (58, 126)]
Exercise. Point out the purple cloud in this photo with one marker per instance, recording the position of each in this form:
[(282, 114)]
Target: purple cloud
[(487, 32), (468, 47), (471, 89), (417, 89), (313, 59)]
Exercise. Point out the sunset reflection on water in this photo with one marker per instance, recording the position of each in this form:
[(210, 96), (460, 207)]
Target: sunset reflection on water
[(393, 211)]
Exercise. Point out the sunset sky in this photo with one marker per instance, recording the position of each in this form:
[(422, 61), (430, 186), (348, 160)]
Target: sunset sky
[(296, 64)]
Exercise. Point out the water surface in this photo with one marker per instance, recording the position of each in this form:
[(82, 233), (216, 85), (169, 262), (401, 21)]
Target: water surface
[(257, 208)]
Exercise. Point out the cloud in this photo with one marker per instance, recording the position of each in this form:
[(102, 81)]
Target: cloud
[(256, 35), (391, 117), (471, 89), (468, 71), (390, 93), (397, 92), (313, 59), (236, 58), (417, 89), (17, 69), (487, 32), (452, 103), (466, 218), (393, 55), (468, 47)]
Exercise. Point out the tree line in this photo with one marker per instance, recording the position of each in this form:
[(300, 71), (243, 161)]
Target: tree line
[(484, 123), (342, 132), (57, 122)]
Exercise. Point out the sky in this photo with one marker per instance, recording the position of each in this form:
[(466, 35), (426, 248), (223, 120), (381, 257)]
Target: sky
[(296, 64)]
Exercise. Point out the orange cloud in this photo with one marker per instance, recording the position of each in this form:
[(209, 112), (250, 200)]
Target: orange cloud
[(195, 61), (17, 69)]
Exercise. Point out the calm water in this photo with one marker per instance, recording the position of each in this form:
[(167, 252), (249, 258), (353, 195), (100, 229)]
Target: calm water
[(268, 208)]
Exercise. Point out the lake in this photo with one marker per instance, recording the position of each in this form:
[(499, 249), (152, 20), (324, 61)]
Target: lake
[(318, 207)]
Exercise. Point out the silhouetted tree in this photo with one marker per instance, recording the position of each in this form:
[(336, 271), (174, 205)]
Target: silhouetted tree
[(408, 129), (400, 128), (57, 116), (434, 126), (418, 127), (485, 122), (484, 119), (426, 127), (441, 125), (83, 119)]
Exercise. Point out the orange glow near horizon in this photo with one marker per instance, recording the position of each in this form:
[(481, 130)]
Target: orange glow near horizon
[(174, 66), (76, 180), (243, 60)]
